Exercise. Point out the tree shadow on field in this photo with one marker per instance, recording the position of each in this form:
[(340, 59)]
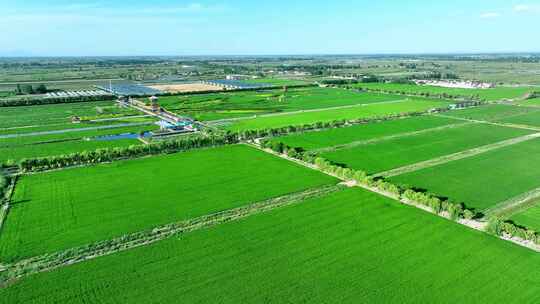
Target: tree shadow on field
[(14, 203)]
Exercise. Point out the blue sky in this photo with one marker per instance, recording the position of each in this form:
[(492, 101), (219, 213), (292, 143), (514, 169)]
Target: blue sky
[(213, 27)]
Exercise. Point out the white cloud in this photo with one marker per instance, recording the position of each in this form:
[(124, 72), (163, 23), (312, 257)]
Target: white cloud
[(490, 15)]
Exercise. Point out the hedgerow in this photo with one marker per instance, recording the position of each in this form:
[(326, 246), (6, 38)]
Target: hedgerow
[(111, 154), (500, 227), (453, 210)]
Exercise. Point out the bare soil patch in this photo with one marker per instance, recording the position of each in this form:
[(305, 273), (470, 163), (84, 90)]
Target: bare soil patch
[(186, 87)]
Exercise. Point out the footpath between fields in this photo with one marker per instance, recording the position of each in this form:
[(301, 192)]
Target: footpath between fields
[(514, 204), (226, 120), (17, 270), (500, 124), (456, 156), (355, 144)]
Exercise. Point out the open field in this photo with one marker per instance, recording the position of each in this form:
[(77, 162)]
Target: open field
[(485, 180), (277, 81), (349, 247), (341, 136), (362, 111), (529, 119), (58, 113), (391, 154), (185, 87), (498, 93), (244, 104), (530, 102), (529, 217), (18, 148), (68, 208), (39, 130), (16, 153), (76, 133), (496, 112)]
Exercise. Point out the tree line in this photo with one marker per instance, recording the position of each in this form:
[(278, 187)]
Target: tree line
[(112, 154), (452, 210), (505, 228), (28, 89)]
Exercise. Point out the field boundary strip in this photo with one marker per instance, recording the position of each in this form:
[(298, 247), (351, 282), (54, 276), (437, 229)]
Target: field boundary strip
[(46, 262), (355, 144), (508, 125), (456, 156), (514, 204), (4, 208), (220, 121)]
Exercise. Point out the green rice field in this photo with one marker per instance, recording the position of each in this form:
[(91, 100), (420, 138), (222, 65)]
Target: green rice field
[(362, 111), (484, 180), (529, 218), (17, 148), (57, 113), (495, 94), (530, 102), (496, 112), (395, 153), (349, 247), (527, 119), (68, 208), (243, 104), (340, 136), (73, 134), (17, 153), (277, 81)]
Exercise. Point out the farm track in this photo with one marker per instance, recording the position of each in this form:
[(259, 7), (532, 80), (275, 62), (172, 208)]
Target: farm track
[(512, 205), (20, 269), (390, 137), (4, 208), (508, 125), (221, 121), (134, 124), (456, 156)]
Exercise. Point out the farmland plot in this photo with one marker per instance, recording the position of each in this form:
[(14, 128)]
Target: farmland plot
[(340, 136), (529, 217), (485, 180), (244, 104), (531, 102), (492, 113), (365, 111), (390, 154), (349, 247), (529, 119), (16, 153), (57, 113), (63, 209), (494, 94), (17, 148)]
